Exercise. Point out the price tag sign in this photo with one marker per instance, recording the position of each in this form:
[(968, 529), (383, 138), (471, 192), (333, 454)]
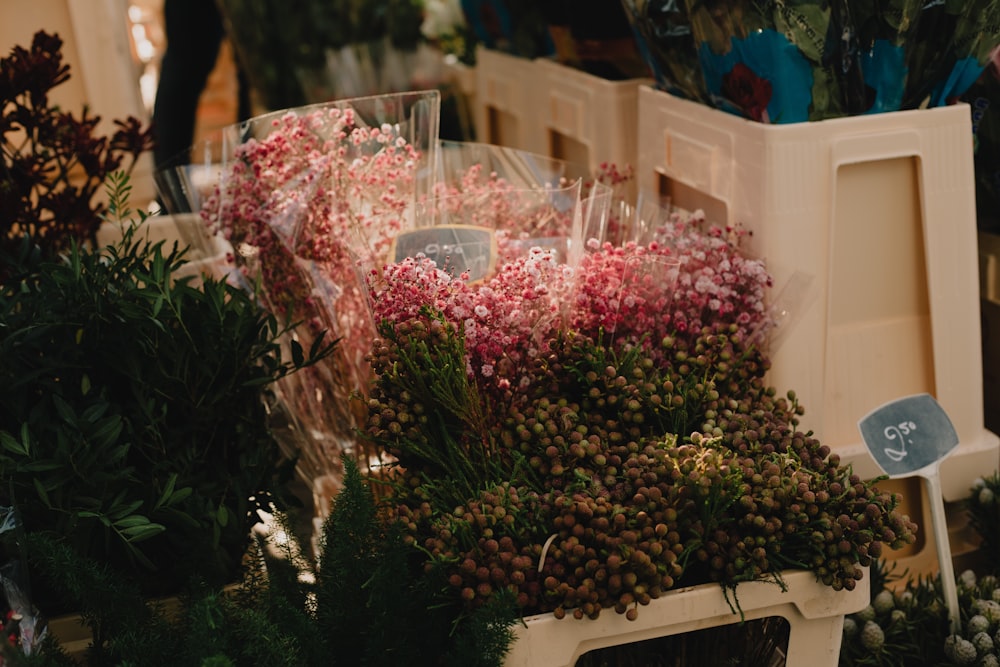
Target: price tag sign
[(908, 434), (910, 437), (454, 248)]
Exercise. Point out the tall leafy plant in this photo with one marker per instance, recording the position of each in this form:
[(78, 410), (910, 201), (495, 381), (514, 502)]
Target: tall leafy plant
[(133, 415)]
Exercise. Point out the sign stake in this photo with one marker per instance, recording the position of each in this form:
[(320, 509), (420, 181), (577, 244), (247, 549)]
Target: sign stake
[(910, 437)]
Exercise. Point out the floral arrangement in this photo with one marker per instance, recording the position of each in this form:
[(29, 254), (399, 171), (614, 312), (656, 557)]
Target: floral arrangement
[(591, 442), (578, 427), (311, 196), (788, 62)]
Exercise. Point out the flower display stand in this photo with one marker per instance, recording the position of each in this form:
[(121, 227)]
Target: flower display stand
[(505, 113), (872, 219), (585, 118), (815, 614)]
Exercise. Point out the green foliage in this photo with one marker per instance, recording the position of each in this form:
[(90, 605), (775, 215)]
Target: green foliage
[(983, 507), (371, 604), (372, 586), (904, 626), (454, 451), (132, 415)]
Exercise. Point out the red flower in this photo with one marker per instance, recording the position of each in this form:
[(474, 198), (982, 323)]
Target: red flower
[(749, 92)]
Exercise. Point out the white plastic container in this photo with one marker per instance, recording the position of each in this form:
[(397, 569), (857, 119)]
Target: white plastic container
[(879, 211), (815, 614), (587, 119), (506, 114)]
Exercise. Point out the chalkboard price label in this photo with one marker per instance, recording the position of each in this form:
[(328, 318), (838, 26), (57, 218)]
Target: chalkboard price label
[(454, 248), (908, 434)]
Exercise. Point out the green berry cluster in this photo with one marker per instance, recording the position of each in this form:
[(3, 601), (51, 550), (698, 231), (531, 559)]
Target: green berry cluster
[(610, 476)]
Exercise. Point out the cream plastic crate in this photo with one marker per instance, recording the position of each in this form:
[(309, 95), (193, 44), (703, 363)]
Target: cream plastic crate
[(587, 119), (815, 614), (506, 113), (880, 212)]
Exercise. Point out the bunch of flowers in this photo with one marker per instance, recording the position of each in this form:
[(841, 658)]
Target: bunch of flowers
[(904, 624), (979, 640), (535, 453), (783, 62), (908, 620), (324, 50), (689, 276), (908, 625), (311, 199), (521, 217)]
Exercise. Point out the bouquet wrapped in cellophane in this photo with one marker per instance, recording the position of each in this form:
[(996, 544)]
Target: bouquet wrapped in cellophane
[(788, 61), (315, 200), (525, 357), (306, 198), (525, 408)]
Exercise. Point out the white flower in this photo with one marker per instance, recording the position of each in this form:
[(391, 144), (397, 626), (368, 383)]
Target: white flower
[(983, 642), (977, 624), (883, 602), (960, 650), (441, 17), (872, 636), (866, 614)]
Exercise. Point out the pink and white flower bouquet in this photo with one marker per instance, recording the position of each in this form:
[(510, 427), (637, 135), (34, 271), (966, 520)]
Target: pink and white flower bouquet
[(561, 397), (588, 437), (306, 197)]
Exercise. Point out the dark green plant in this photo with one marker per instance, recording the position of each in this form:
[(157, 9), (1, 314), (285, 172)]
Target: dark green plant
[(605, 481), (983, 507), (904, 625), (373, 586), (53, 162), (371, 603), (133, 422)]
